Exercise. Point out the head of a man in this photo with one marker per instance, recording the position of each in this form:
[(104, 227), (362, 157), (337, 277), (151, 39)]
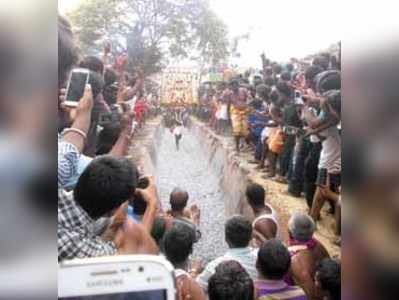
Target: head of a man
[(321, 60), (96, 82), (274, 97), (284, 90), (255, 195), (105, 184), (327, 81), (158, 230), (332, 102), (67, 50), (277, 68), (178, 199), (238, 232), (230, 281), (234, 85), (110, 76), (256, 80), (328, 278), (310, 75), (263, 91), (289, 67), (274, 260), (301, 227), (93, 63), (178, 243), (269, 71), (286, 76)]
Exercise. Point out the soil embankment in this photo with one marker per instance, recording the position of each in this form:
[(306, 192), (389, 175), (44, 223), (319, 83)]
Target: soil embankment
[(233, 172)]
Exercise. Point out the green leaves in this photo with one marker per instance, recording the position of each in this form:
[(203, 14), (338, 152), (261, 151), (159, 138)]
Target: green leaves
[(153, 30)]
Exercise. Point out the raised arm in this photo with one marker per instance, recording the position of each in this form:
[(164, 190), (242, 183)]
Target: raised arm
[(121, 146), (82, 120)]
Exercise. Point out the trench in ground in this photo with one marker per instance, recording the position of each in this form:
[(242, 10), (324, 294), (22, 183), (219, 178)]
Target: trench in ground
[(190, 169)]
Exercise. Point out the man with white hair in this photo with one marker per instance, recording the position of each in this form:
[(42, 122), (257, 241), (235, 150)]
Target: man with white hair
[(306, 253)]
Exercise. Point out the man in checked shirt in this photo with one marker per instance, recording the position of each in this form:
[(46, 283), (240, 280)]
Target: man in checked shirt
[(102, 191)]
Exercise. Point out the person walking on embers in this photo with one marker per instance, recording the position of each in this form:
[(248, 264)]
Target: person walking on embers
[(178, 134)]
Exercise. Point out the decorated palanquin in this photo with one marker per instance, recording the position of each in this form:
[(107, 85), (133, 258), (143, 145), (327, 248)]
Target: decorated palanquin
[(179, 86)]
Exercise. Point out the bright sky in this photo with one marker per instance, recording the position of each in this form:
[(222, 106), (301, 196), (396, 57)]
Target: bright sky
[(281, 28), (294, 28)]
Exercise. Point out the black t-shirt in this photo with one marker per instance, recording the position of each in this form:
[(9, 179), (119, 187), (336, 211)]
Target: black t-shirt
[(291, 116)]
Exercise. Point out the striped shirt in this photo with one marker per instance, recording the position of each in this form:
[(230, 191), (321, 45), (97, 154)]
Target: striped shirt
[(68, 158), (278, 290)]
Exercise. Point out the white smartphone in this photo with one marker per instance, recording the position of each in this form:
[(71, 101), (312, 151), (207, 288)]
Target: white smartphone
[(130, 277), (76, 86)]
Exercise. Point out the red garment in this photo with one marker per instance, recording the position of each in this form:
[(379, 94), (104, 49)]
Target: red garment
[(310, 244), (140, 109), (295, 247)]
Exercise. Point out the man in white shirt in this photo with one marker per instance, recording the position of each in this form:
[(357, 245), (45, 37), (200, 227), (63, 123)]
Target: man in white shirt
[(238, 234), (222, 117), (178, 133), (329, 172)]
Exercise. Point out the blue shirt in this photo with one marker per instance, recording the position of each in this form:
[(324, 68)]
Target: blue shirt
[(258, 122)]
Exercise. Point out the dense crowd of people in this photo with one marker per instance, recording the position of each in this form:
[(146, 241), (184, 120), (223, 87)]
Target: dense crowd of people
[(289, 115), (107, 206)]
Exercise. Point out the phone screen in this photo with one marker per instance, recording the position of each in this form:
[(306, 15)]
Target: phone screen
[(76, 86), (144, 295)]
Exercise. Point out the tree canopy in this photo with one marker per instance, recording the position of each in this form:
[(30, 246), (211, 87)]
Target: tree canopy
[(152, 31)]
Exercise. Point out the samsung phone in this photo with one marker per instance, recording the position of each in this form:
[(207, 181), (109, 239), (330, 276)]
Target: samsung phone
[(130, 277), (76, 86)]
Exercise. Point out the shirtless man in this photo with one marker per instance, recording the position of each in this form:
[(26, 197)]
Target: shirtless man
[(178, 202), (236, 97), (265, 225), (306, 253)]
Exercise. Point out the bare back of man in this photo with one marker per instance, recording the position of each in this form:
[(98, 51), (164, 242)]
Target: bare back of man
[(263, 230), (265, 226), (303, 267)]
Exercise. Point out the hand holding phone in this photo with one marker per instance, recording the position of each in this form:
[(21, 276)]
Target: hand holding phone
[(78, 80), (86, 103), (149, 194), (61, 96)]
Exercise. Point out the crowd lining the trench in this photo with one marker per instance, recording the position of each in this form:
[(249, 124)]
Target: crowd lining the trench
[(288, 115)]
